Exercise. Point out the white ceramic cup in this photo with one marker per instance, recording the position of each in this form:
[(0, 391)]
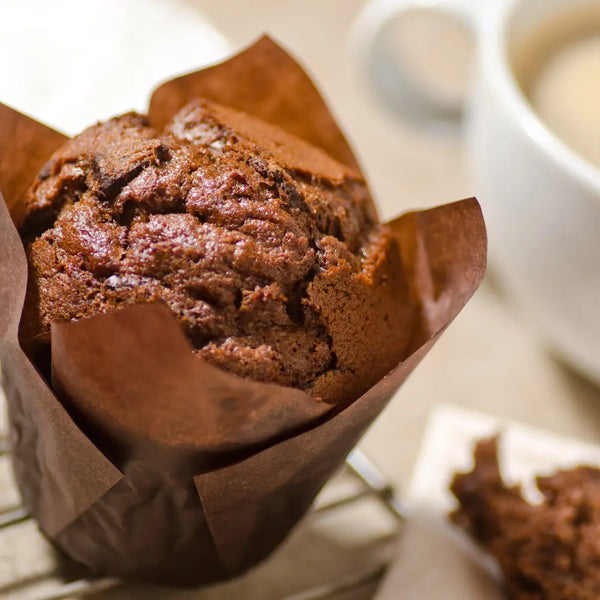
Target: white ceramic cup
[(541, 200)]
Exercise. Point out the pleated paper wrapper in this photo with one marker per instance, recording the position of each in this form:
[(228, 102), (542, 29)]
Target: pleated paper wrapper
[(139, 459)]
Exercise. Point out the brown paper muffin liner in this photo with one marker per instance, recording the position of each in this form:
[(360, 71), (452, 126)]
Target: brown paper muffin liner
[(216, 470)]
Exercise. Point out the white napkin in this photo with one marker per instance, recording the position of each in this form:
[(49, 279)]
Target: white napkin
[(71, 63), (435, 561)]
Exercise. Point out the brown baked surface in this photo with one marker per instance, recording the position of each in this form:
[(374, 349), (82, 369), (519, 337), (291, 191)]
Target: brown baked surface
[(547, 551), (269, 252)]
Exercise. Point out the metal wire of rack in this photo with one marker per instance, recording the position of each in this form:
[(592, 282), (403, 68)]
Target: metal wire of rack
[(372, 485)]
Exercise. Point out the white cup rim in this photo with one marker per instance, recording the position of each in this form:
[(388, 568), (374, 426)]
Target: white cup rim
[(494, 54)]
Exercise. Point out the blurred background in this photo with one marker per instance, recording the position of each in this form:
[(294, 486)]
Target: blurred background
[(487, 360)]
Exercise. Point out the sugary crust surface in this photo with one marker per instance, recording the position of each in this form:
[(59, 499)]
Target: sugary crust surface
[(253, 238)]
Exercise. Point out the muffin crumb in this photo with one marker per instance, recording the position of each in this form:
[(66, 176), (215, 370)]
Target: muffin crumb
[(546, 551)]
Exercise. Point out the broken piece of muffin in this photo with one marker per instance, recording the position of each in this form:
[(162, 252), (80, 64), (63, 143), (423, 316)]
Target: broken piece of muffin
[(546, 551)]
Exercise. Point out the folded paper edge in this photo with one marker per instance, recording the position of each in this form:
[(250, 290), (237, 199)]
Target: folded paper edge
[(28, 153), (27, 144), (283, 107), (71, 359), (358, 410)]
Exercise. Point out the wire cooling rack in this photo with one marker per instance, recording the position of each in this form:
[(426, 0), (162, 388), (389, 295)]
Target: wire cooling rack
[(369, 485)]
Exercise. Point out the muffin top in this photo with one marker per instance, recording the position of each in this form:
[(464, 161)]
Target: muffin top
[(231, 222)]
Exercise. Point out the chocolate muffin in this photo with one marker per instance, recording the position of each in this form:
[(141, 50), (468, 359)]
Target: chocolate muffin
[(269, 253), (546, 551)]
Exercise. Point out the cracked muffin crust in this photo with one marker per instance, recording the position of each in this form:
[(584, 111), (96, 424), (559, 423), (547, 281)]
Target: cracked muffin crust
[(269, 253), (546, 551)]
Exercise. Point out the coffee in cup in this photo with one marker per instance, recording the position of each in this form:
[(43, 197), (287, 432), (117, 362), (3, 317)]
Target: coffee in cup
[(557, 67)]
